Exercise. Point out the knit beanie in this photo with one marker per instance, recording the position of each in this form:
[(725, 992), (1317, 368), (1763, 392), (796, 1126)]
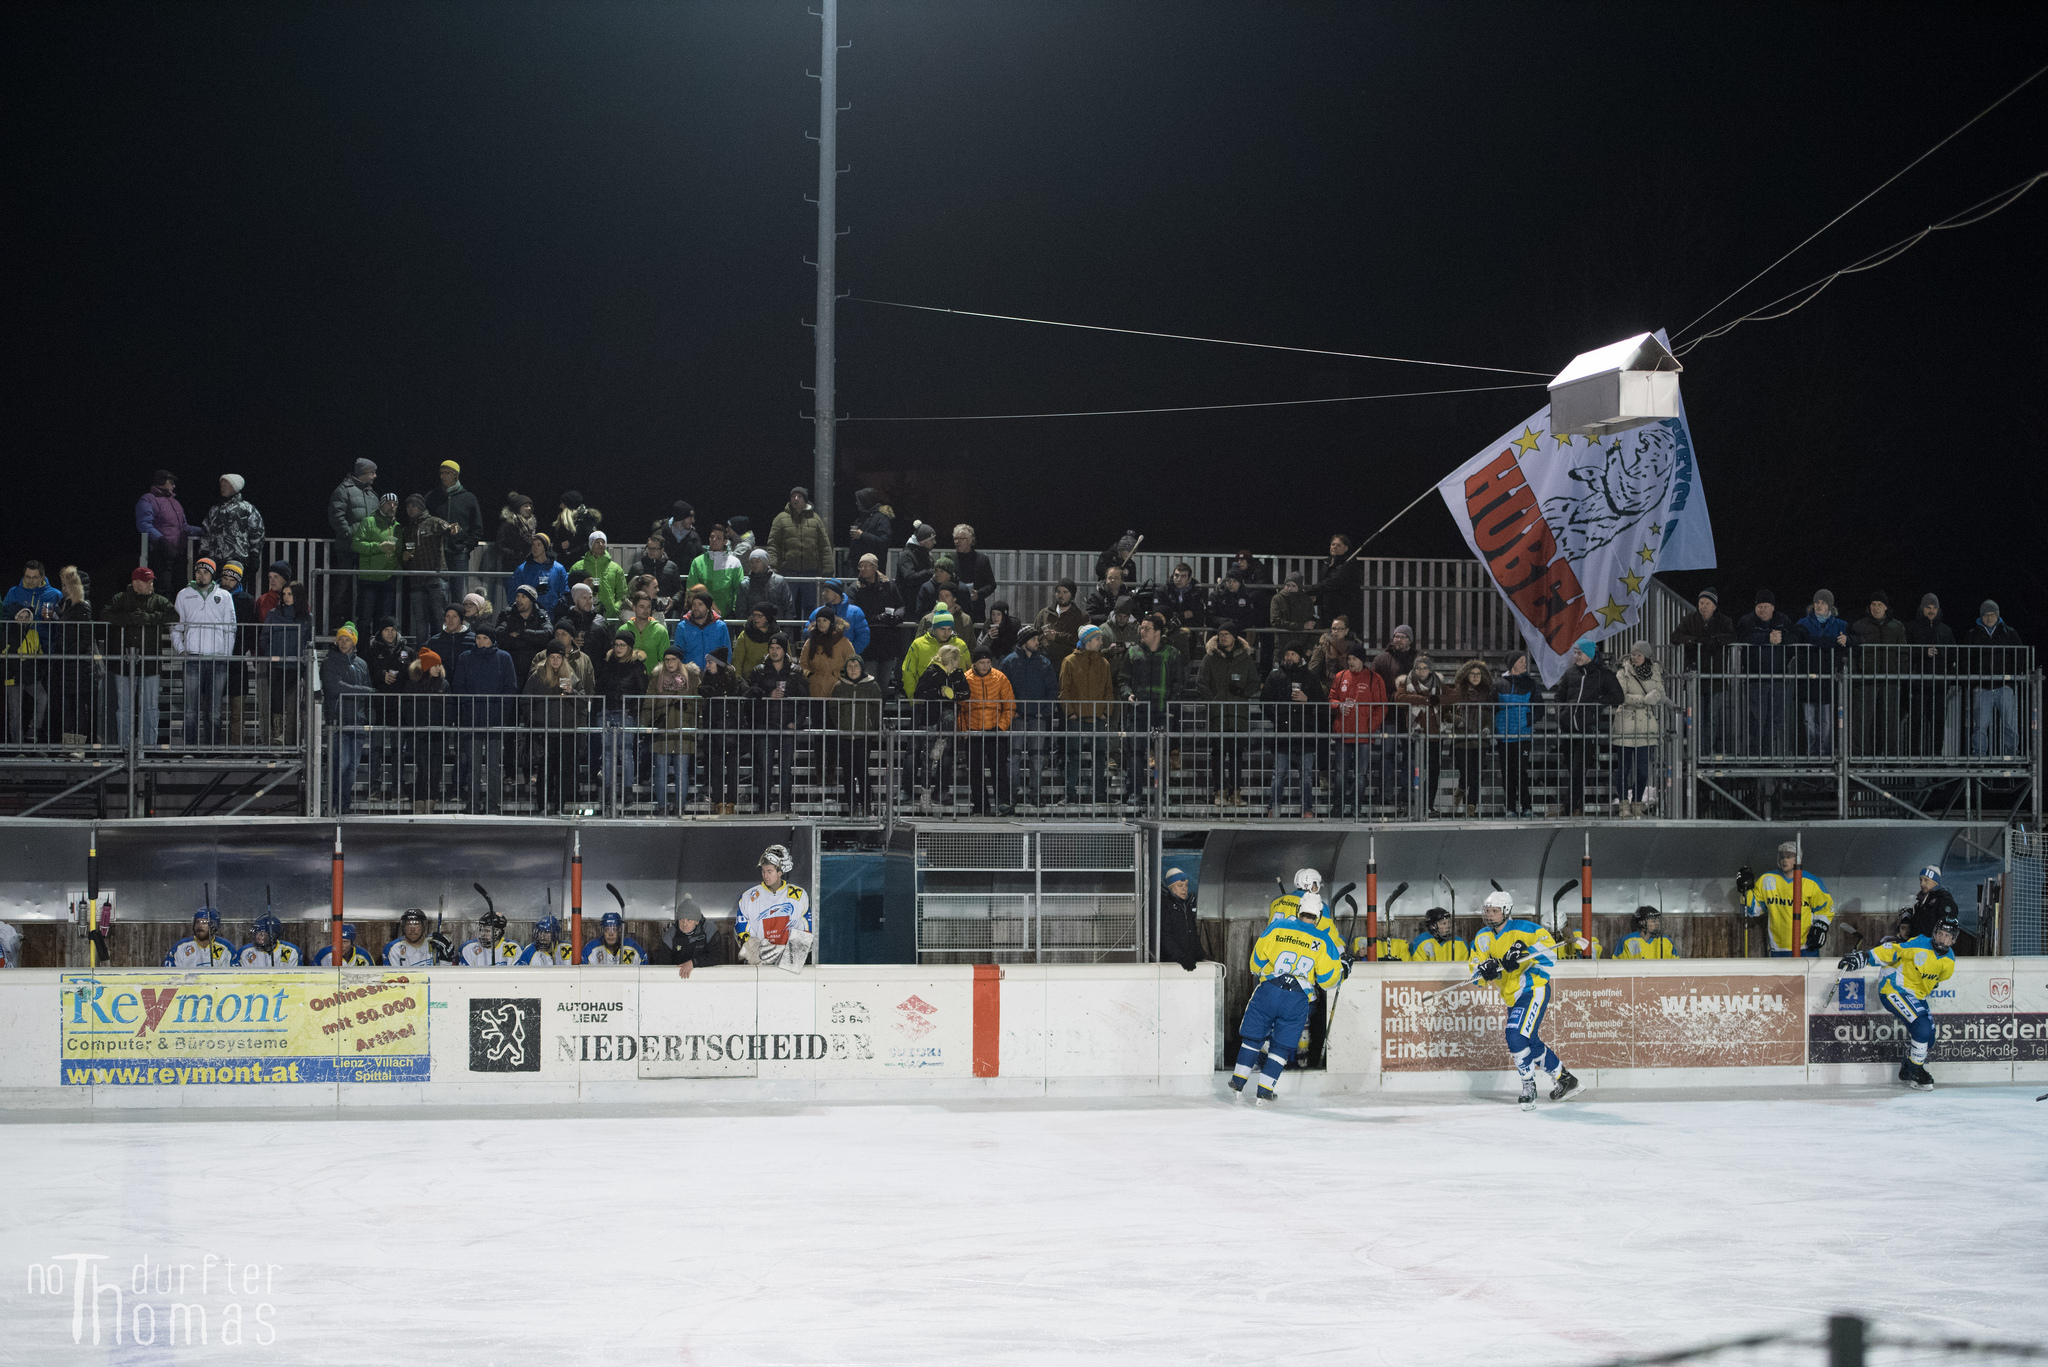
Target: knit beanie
[(1987, 607), (234, 482)]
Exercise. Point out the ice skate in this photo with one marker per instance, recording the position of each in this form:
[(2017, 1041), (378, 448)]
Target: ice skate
[(1567, 1086), (1528, 1093), (1916, 1077)]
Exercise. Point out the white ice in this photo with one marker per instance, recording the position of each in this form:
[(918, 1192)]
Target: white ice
[(1133, 1231)]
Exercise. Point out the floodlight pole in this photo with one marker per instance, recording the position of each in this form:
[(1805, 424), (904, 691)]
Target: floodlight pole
[(824, 415)]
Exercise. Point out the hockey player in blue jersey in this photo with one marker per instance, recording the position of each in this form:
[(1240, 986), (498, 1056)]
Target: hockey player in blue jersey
[(547, 949), (490, 948), (351, 957), (614, 945), (203, 948), (267, 947), (1918, 966), (1291, 960), (1519, 955)]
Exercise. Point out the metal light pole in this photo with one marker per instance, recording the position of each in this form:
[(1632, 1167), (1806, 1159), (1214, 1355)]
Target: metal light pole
[(825, 415)]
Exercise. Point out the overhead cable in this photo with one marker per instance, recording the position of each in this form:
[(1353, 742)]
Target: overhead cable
[(1185, 408)]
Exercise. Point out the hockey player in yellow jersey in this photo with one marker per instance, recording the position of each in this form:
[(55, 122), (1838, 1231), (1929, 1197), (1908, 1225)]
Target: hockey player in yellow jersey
[(1290, 961), (1918, 966), (1646, 940), (1771, 896), (1307, 897), (1437, 943), (1519, 955)]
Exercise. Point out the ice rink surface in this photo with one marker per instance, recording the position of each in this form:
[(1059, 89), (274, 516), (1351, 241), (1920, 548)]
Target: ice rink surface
[(1128, 1231)]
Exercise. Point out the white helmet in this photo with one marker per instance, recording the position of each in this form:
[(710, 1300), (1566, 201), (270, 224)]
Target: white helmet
[(1502, 902), (779, 857), (1306, 880)]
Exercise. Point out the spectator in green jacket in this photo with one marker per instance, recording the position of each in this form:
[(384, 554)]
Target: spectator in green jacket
[(718, 570), (800, 550), (375, 542), (607, 579), (650, 635), (925, 649)]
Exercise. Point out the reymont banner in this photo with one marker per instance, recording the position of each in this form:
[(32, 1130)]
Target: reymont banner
[(1572, 528)]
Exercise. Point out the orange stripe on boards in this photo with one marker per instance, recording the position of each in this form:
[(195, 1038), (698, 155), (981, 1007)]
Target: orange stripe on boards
[(988, 1020)]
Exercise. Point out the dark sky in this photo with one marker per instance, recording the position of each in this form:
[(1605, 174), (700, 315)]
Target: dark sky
[(562, 243)]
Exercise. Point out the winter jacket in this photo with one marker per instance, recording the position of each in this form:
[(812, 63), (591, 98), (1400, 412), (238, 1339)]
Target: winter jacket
[(1520, 706), (1102, 601), (1059, 628), (423, 543), (684, 546), (768, 591), (347, 506), (875, 530), (1000, 638), (1290, 612), (1932, 644), (990, 705), (551, 706), (482, 678), (1421, 701), (380, 657), (1087, 686), (1635, 721), (139, 622), (375, 541), (451, 646), (1179, 941), (1358, 703), (572, 528), (749, 648), (285, 633), (671, 709), (720, 572), (699, 641), (1761, 657), (1329, 656), (976, 574), (1185, 607), (788, 712), (522, 638), (234, 531), (458, 505), (1390, 664), (1036, 686), (549, 581), (1242, 608), (606, 580), (667, 575), (1289, 717), (913, 569), (1580, 694), (1466, 709), (1340, 588), (881, 606), (206, 622), (801, 546), (849, 613), (515, 537), (160, 517), (1706, 640), (1154, 677), (857, 706), (49, 596), (344, 687), (576, 662), (649, 638), (1825, 636), (618, 680), (918, 657), (938, 696), (1228, 681), (824, 665), (1883, 645)]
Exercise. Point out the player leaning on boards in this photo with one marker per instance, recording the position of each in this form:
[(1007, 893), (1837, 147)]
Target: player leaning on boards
[(1293, 958), (1645, 938), (1520, 955), (1772, 895), (1918, 966), (773, 918)]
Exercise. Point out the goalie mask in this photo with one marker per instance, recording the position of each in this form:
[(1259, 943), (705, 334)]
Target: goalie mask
[(1497, 908), (777, 857)]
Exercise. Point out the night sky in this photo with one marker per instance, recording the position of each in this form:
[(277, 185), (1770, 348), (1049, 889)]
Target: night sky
[(562, 243)]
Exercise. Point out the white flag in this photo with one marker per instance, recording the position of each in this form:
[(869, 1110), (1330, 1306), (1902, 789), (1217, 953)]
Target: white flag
[(1572, 528)]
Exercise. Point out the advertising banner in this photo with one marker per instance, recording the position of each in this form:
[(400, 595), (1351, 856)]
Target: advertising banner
[(184, 1029), (1975, 1020), (1685, 1021)]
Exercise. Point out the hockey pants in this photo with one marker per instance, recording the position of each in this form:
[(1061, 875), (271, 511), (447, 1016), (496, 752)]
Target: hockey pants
[(1912, 1012), (1525, 1019), (1273, 1022)]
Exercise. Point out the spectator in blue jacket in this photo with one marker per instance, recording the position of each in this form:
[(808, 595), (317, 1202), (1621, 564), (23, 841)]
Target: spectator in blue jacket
[(700, 631), (35, 594), (1828, 641), (835, 603), (1036, 685), (1520, 707), (483, 677), (543, 573)]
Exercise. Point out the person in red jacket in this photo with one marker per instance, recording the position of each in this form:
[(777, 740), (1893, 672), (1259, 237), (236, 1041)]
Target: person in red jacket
[(1358, 708)]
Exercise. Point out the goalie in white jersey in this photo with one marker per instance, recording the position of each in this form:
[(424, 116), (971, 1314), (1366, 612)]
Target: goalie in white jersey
[(203, 948), (490, 948), (773, 918), (267, 947)]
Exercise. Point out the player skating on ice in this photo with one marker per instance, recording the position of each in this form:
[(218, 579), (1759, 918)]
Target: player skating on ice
[(547, 949), (203, 948), (1918, 967), (412, 948), (1646, 939), (1437, 943), (1801, 935), (1520, 955), (613, 945), (490, 948), (267, 947), (1291, 960), (773, 918)]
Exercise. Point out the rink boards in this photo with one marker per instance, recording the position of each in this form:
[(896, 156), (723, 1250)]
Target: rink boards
[(151, 1038), (1676, 1023)]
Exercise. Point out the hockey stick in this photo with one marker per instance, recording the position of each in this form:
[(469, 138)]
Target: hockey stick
[(1344, 955), (618, 897), (1557, 926), (1415, 1007)]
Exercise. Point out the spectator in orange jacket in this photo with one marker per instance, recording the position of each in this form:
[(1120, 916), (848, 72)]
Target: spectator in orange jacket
[(986, 716)]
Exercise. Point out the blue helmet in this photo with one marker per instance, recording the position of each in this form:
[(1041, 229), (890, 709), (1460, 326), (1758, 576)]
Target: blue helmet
[(549, 927), (268, 931), (612, 918), (348, 933), (208, 915)]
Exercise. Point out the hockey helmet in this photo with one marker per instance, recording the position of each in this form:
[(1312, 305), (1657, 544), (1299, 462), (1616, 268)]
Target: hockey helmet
[(1948, 922), (348, 933), (547, 930), (208, 915), (413, 915), (1644, 916), (267, 931), (491, 926), (608, 920), (1497, 901), (1307, 880), (778, 856), (1437, 920)]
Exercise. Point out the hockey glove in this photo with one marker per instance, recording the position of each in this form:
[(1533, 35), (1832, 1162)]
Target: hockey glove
[(1745, 882), (444, 950), (1816, 936), (1851, 961), (1516, 956), (1489, 969)]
